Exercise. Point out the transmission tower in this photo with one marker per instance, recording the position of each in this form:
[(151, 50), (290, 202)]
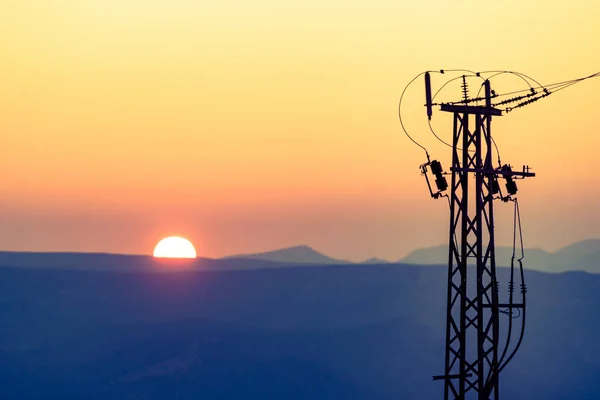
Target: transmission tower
[(473, 310), (473, 355)]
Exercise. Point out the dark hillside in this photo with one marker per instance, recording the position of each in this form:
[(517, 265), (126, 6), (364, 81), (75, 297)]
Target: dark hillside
[(352, 332)]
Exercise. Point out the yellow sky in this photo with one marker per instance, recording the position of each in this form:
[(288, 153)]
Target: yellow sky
[(254, 125)]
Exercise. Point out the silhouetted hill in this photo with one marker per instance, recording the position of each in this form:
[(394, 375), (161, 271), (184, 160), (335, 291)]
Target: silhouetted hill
[(584, 256), (580, 256), (292, 255), (578, 249), (375, 261), (76, 261), (351, 332), (124, 262), (534, 258)]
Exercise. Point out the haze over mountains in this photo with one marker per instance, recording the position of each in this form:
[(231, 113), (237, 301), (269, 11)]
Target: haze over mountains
[(580, 256), (296, 254)]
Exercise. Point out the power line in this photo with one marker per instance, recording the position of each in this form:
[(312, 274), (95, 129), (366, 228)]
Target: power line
[(400, 115)]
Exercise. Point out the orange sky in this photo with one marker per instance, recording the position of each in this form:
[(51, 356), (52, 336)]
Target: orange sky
[(248, 126)]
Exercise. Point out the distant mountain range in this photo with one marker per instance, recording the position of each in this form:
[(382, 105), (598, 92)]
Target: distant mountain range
[(124, 262), (375, 261), (294, 255), (288, 257), (580, 256)]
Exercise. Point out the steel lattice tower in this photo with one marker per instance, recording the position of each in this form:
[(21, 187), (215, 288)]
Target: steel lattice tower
[(473, 357), (472, 324)]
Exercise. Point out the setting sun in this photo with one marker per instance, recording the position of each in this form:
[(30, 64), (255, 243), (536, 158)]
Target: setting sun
[(174, 247)]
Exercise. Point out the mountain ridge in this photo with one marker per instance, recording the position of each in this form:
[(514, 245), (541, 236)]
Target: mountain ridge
[(301, 254), (579, 256)]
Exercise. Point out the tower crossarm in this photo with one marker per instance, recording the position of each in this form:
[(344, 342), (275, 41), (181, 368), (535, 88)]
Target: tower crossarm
[(498, 172)]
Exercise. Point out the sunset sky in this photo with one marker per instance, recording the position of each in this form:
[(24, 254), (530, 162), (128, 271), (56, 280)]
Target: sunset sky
[(252, 125)]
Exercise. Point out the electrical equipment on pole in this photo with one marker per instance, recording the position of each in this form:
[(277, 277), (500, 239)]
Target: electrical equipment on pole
[(477, 348)]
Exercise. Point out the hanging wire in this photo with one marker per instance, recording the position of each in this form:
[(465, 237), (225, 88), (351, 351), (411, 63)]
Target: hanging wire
[(551, 85), (511, 287), (525, 100), (525, 78), (439, 138), (496, 73), (400, 115), (547, 90), (442, 71), (454, 239), (528, 99), (523, 289), (497, 151), (448, 144), (474, 74)]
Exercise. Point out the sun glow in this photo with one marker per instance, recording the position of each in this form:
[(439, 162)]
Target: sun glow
[(174, 247)]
